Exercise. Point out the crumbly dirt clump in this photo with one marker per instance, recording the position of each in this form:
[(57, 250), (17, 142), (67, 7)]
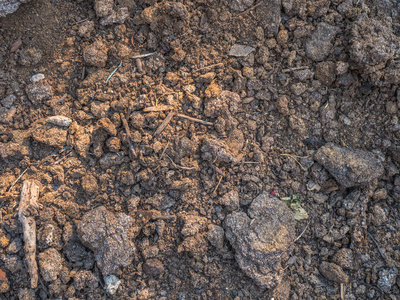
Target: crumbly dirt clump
[(201, 149)]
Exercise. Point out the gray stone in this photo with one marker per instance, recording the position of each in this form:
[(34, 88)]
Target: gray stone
[(262, 239), (111, 284), (349, 167), (387, 278), (230, 200), (109, 236), (39, 92), (50, 264), (333, 272), (215, 236), (240, 50), (9, 6), (319, 44), (241, 5), (96, 54), (8, 101), (37, 77), (85, 279)]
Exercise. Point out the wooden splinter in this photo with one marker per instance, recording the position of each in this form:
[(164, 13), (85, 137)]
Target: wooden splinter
[(26, 214)]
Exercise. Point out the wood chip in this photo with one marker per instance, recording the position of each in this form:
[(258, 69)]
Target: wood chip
[(15, 46), (164, 123), (26, 214), (195, 120), (158, 108), (128, 135)]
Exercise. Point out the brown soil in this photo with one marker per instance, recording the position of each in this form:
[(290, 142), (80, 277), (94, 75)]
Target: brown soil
[(321, 72)]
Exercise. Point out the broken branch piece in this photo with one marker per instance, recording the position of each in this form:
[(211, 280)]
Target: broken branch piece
[(128, 135), (26, 214), (195, 120)]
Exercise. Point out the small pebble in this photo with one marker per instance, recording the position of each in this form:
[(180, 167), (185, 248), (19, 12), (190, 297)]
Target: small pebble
[(111, 284), (60, 121), (37, 77), (241, 50)]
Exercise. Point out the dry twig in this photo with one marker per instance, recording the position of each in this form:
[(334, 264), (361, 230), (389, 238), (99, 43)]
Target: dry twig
[(210, 66), (164, 123), (216, 187), (128, 135), (178, 166), (143, 55), (158, 108), (301, 234), (294, 157), (195, 120), (377, 246), (16, 180), (26, 211)]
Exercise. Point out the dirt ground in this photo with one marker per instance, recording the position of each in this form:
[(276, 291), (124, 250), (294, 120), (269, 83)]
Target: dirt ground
[(185, 140)]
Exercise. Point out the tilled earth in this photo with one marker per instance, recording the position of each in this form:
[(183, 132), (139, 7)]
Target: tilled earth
[(202, 150)]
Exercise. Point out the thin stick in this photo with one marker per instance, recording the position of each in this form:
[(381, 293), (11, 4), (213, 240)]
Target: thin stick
[(165, 149), (61, 100), (83, 73), (62, 158), (178, 166), (158, 108), (210, 66), (342, 291), (113, 72), (291, 155), (251, 8), (294, 69), (294, 158), (128, 135), (26, 211), (143, 55), (195, 120), (219, 181), (301, 234), (19, 177), (377, 245), (164, 123)]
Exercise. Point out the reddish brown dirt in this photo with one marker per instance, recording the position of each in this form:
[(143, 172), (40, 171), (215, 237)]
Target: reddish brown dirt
[(270, 111)]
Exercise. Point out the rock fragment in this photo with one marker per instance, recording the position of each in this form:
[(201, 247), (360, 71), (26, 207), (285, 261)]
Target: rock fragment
[(345, 259), (214, 149), (84, 279), (30, 56), (325, 72), (193, 224), (241, 5), (240, 50), (349, 167), (372, 44), (230, 200), (9, 6), (319, 44), (96, 54), (333, 272), (50, 264), (116, 17), (50, 135), (38, 92), (387, 278), (153, 267), (215, 236), (61, 121), (111, 284), (262, 239), (109, 236), (103, 7)]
